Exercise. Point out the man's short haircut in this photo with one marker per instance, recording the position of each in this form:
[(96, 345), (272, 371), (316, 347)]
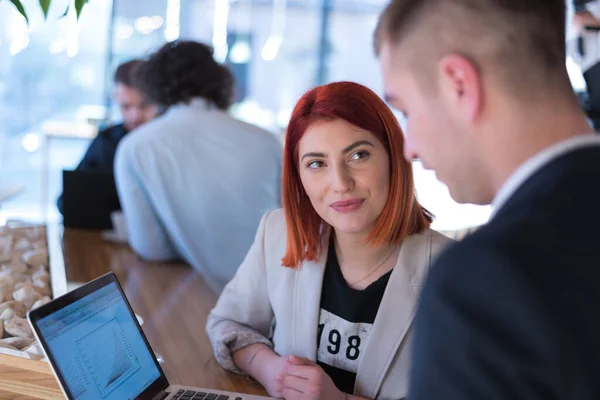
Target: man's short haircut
[(522, 42), (125, 73)]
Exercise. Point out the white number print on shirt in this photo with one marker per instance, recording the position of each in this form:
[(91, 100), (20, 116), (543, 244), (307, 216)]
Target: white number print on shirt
[(340, 342)]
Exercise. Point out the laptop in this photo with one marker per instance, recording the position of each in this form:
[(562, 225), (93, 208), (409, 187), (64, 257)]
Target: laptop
[(88, 199), (98, 350)]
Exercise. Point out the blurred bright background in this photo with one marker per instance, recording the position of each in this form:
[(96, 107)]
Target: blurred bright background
[(56, 77)]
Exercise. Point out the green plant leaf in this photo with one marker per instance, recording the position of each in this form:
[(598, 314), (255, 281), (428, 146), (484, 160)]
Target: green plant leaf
[(79, 6), (45, 4), (20, 8), (66, 11)]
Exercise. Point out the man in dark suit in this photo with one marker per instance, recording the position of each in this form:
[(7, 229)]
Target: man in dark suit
[(510, 312), (135, 110)]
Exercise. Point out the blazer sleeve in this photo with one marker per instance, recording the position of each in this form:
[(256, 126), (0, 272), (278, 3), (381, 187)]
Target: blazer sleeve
[(243, 313), (496, 343)]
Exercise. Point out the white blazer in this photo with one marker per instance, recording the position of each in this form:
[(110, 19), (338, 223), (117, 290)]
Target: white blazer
[(279, 306)]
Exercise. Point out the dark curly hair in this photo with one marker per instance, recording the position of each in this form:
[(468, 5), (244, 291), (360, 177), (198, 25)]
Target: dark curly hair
[(182, 70)]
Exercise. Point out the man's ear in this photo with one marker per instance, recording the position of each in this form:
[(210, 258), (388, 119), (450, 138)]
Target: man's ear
[(461, 86)]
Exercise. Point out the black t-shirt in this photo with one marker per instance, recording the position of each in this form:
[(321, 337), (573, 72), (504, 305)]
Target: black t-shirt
[(345, 322)]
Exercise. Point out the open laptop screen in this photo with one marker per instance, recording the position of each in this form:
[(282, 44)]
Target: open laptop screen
[(97, 347)]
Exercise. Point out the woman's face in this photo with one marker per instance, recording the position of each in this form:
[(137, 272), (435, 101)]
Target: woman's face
[(345, 172)]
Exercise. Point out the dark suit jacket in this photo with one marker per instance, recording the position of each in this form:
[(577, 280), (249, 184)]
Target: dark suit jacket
[(101, 153), (100, 156), (513, 311)]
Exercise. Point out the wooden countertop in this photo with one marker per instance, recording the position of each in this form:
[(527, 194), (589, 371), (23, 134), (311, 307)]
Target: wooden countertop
[(26, 379), (172, 299)]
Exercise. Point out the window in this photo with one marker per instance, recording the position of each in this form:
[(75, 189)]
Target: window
[(52, 79), (57, 76)]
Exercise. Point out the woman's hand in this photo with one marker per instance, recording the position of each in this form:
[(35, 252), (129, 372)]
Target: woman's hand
[(305, 380), (263, 364), (270, 371)]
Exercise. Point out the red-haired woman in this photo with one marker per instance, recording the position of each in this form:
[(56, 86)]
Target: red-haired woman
[(322, 306)]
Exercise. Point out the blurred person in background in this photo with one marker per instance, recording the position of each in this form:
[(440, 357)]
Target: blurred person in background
[(583, 26), (194, 182), (583, 45), (135, 111), (511, 311), (338, 270)]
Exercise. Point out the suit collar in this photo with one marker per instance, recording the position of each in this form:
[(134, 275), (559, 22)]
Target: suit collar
[(395, 314), (114, 133), (543, 182), (536, 163), (307, 302)]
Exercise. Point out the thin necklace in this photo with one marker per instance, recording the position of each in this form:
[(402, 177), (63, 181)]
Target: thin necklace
[(376, 268)]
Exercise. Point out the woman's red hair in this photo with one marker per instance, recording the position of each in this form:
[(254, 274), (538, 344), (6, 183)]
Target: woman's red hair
[(402, 214)]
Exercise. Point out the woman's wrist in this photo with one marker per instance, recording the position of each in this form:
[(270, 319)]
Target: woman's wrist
[(259, 369), (243, 356), (253, 358)]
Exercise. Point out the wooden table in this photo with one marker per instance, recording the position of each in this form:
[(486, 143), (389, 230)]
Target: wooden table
[(172, 299)]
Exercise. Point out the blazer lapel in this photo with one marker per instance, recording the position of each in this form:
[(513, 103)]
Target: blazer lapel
[(307, 303), (395, 314)]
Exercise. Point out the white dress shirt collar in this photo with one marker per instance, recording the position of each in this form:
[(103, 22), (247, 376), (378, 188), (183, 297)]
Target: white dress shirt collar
[(535, 163)]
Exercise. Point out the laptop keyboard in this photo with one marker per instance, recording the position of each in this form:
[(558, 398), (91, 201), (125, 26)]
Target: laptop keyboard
[(191, 395)]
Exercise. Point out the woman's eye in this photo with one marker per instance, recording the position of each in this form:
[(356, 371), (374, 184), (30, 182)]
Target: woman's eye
[(315, 164), (359, 155)]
